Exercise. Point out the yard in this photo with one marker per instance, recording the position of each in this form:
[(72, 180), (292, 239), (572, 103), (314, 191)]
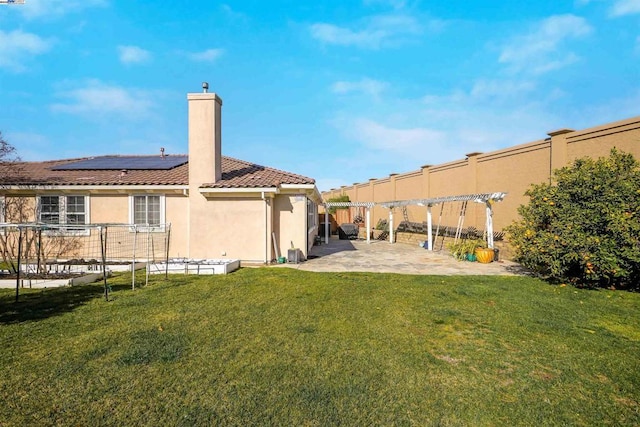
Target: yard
[(288, 347)]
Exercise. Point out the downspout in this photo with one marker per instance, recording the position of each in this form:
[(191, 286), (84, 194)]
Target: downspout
[(306, 227), (266, 229), (185, 193)]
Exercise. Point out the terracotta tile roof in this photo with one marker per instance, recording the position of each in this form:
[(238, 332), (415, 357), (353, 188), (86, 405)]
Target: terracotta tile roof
[(235, 173), (238, 173)]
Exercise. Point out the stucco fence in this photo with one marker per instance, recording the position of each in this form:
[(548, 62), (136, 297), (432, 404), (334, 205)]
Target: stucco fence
[(511, 170)]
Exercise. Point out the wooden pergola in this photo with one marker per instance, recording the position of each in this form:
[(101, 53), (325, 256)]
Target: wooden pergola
[(487, 198)]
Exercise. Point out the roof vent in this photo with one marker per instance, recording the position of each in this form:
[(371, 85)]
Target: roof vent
[(162, 152), (205, 87)]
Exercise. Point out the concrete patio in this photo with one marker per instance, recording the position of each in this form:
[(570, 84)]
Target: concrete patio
[(383, 257)]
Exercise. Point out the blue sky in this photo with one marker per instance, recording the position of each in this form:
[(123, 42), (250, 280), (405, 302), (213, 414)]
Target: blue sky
[(341, 91)]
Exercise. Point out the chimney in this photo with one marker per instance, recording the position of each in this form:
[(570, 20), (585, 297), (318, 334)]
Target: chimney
[(205, 134)]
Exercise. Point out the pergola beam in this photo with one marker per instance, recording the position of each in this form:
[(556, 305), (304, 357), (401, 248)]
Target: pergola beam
[(487, 198), (478, 198)]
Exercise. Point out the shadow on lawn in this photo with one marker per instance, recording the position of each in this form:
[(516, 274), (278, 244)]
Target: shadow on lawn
[(33, 306)]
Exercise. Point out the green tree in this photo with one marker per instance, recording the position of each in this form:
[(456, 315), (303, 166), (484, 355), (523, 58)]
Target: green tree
[(584, 228), (341, 198)]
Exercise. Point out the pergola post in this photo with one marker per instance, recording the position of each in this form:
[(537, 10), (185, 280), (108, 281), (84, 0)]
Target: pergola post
[(368, 216), (390, 225), (489, 227), (429, 232)]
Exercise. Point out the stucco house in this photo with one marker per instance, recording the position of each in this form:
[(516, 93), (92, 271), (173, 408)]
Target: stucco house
[(218, 207)]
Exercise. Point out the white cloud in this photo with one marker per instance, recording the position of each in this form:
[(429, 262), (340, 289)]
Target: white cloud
[(625, 7), (372, 33), (367, 86), (97, 99), (33, 9), (490, 115), (17, 46), (539, 50), (208, 55), (500, 89), (394, 142), (133, 55), (378, 136), (233, 15)]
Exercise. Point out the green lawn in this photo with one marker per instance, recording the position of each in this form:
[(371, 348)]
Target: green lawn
[(285, 347)]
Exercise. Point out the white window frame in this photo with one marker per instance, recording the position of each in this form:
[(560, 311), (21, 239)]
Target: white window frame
[(62, 226), (163, 206), (312, 214)]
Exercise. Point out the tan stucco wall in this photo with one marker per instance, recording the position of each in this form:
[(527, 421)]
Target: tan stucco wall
[(229, 227), (290, 219), (177, 208), (598, 141), (510, 170), (114, 208), (109, 208)]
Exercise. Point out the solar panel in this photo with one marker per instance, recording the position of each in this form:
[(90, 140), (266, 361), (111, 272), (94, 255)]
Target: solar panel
[(125, 162)]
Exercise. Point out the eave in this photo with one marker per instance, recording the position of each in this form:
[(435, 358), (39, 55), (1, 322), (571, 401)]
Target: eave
[(110, 189)]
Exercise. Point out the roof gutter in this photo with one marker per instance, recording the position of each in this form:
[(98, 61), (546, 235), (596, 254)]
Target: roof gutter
[(82, 187), (239, 190), (298, 186)]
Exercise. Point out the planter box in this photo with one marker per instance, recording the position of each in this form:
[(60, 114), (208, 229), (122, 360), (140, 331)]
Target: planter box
[(199, 267)]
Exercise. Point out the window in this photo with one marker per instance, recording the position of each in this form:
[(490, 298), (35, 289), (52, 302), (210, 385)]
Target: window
[(312, 214), (64, 210), (148, 210)]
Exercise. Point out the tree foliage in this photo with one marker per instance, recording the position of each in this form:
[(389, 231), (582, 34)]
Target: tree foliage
[(21, 209), (8, 152), (341, 198), (8, 159), (584, 229)]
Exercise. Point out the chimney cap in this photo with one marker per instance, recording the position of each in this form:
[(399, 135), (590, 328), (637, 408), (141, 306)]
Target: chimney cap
[(205, 87)]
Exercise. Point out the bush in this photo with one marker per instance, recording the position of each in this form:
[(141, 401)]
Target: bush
[(342, 198), (585, 228)]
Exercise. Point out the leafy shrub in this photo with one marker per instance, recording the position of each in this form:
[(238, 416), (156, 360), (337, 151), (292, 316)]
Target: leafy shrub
[(462, 248), (382, 225), (341, 198), (584, 229)]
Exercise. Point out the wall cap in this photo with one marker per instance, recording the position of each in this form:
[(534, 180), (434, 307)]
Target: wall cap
[(560, 132), (474, 153)]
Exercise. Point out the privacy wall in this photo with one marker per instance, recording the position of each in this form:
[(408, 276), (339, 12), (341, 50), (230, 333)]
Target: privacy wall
[(510, 170)]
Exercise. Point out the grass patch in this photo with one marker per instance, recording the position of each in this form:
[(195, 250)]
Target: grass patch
[(286, 347)]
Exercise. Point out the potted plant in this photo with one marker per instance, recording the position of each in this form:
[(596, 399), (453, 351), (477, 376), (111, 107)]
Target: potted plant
[(465, 249), (484, 254)]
